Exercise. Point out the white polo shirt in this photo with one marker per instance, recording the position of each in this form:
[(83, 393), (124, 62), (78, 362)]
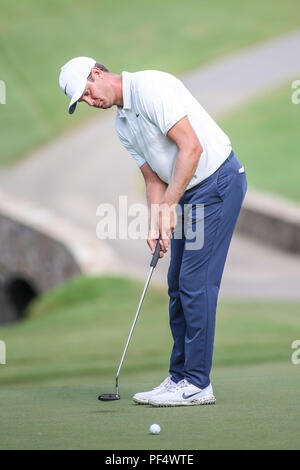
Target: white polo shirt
[(153, 102)]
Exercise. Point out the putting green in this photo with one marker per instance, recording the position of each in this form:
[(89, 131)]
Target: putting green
[(257, 408), (67, 351)]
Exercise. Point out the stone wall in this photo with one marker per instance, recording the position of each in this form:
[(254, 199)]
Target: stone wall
[(30, 261), (272, 220), (39, 251)]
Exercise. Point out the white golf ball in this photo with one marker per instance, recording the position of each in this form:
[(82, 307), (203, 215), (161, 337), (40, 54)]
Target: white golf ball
[(154, 429)]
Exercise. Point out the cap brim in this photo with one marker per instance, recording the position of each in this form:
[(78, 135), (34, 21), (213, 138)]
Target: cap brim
[(76, 96)]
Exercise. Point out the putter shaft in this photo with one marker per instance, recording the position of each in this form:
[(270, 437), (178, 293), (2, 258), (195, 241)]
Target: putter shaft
[(132, 328), (116, 396)]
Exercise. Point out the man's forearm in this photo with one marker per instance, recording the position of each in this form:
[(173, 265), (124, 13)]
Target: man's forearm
[(155, 192), (185, 167)]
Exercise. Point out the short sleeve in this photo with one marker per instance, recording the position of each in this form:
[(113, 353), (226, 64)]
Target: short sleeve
[(139, 160), (161, 101)]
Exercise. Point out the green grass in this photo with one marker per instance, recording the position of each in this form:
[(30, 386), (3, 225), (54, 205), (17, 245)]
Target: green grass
[(265, 137), (77, 333), (67, 351), (38, 36), (257, 408)]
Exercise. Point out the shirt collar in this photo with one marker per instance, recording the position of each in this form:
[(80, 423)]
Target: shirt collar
[(126, 91)]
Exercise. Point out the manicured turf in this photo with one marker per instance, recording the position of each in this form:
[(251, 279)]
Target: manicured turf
[(257, 408), (77, 333), (265, 136), (67, 352), (38, 36)]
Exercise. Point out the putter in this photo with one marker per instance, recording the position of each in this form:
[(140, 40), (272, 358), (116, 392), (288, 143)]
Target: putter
[(116, 396)]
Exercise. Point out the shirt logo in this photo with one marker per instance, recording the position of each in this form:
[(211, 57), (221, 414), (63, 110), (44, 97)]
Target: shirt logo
[(137, 115)]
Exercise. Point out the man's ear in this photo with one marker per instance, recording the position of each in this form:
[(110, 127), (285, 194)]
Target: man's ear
[(97, 73)]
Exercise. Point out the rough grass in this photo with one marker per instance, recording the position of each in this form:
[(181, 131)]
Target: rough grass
[(265, 136)]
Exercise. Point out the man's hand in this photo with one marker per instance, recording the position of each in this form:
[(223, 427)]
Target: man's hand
[(167, 223), (153, 233), (152, 240), (162, 224)]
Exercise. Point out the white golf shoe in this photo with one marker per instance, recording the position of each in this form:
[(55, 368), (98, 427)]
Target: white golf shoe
[(144, 397), (183, 394)]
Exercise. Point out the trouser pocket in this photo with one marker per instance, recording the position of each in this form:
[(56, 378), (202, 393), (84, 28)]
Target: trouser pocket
[(231, 174)]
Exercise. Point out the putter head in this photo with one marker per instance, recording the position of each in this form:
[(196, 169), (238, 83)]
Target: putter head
[(109, 397)]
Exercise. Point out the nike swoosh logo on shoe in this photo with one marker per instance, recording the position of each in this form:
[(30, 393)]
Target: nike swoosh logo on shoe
[(185, 397)]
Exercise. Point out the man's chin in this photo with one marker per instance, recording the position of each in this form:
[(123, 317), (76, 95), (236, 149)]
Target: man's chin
[(102, 106)]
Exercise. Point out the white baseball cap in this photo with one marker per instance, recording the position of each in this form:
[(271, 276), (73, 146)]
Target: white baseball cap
[(73, 78)]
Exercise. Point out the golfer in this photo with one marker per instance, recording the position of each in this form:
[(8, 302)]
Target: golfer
[(188, 163)]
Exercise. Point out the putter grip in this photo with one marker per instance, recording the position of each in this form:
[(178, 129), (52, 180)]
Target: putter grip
[(156, 254)]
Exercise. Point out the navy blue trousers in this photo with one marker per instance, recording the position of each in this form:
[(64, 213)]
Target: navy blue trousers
[(195, 271)]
